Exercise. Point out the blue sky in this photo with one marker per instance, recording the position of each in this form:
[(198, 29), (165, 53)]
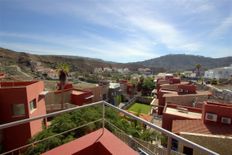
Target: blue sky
[(117, 30)]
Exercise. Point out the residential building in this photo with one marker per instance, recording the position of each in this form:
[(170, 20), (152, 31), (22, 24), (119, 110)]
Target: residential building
[(69, 97), (164, 75), (219, 73), (145, 71), (173, 112), (212, 130), (21, 100), (172, 90), (100, 91), (189, 74), (127, 88), (98, 70), (115, 93), (107, 69)]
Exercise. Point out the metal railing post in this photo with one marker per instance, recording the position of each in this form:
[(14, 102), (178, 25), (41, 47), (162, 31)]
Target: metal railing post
[(103, 115), (169, 146)]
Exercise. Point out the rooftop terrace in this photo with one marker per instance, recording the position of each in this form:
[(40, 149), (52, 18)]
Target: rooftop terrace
[(16, 84), (183, 113)]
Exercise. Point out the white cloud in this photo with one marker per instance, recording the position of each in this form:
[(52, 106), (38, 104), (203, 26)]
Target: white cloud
[(224, 26), (124, 16), (141, 27), (91, 45)]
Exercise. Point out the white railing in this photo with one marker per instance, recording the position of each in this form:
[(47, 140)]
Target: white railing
[(167, 133)]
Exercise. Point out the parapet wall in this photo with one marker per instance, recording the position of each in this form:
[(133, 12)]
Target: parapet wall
[(186, 100)]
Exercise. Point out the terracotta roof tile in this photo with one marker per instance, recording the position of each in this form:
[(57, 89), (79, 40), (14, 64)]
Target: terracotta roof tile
[(197, 126)]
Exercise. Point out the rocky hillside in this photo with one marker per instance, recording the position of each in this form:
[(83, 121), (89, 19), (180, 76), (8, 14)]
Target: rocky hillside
[(27, 61)]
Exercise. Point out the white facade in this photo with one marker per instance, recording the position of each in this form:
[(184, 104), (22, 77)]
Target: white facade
[(114, 85), (219, 73), (162, 75), (98, 70), (189, 74), (107, 69)]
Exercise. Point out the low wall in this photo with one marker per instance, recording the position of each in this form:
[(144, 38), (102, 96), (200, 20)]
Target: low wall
[(186, 100), (53, 99), (144, 100)]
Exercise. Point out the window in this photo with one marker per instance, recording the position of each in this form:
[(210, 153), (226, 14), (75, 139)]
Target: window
[(32, 105), (18, 109), (226, 120), (188, 150), (211, 117)]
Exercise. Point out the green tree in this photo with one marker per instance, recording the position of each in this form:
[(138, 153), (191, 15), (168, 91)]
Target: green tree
[(198, 67), (80, 117), (147, 86)]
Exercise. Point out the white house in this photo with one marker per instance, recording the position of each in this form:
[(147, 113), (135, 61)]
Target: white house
[(189, 74), (219, 73)]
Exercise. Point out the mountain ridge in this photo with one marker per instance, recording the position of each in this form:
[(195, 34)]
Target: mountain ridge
[(171, 62), (175, 62)]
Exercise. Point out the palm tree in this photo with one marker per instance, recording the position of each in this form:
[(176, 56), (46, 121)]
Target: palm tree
[(198, 67), (63, 70)]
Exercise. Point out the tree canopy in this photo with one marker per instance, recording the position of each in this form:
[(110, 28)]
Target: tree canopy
[(77, 118), (147, 86)]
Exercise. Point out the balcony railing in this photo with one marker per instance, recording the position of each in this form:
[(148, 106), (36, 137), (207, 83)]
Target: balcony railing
[(134, 143)]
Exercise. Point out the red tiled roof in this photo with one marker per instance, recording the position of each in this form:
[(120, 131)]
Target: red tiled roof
[(106, 143), (197, 126)]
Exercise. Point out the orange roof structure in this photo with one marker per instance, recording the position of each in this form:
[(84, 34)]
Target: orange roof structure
[(143, 116)]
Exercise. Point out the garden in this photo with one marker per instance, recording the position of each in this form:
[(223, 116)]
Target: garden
[(140, 108)]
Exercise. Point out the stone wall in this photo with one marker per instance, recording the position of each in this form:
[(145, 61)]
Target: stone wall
[(222, 94)]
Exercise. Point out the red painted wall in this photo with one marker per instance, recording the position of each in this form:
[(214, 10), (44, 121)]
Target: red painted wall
[(222, 110), (20, 92), (187, 89), (9, 96), (66, 86), (174, 80), (167, 77), (33, 92), (161, 101), (167, 119), (80, 99)]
